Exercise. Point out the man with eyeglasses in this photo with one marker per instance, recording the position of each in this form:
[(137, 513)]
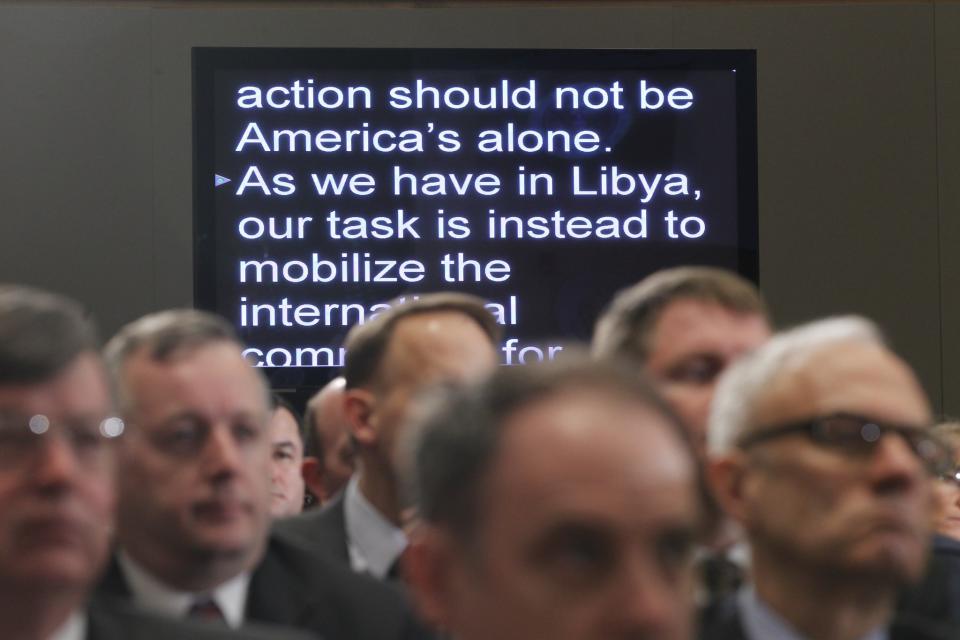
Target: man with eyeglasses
[(56, 480), (819, 449)]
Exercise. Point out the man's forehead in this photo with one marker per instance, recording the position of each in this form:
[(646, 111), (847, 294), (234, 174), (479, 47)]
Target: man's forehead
[(853, 377), (690, 324), (284, 426), (220, 355), (79, 389), (580, 436), (214, 374)]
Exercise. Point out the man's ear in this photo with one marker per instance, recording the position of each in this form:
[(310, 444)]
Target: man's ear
[(727, 475), (312, 471), (358, 408), (428, 565)]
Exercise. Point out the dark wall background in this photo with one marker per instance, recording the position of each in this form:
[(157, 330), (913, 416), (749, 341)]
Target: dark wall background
[(859, 140)]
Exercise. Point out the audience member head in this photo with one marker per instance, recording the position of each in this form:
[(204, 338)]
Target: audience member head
[(56, 475), (328, 450), (286, 442), (194, 464), (948, 485), (437, 339), (684, 326), (559, 500), (819, 449)]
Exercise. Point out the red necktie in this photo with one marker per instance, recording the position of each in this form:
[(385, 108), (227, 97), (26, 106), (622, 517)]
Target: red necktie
[(205, 609)]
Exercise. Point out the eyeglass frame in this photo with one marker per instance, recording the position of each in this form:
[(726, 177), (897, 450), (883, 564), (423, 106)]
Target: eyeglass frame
[(913, 435), (952, 476), (40, 426)]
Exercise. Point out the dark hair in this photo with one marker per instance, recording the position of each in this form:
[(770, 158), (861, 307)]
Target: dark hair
[(623, 329), (367, 343), (40, 333), (277, 401), (455, 442)]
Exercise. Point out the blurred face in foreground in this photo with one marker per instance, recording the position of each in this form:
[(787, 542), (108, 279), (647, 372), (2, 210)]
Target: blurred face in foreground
[(586, 525), (56, 480)]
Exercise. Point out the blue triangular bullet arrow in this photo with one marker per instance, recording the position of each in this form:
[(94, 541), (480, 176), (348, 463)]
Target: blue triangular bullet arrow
[(219, 180)]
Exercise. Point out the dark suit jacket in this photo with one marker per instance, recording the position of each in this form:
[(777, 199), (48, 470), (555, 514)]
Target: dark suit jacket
[(114, 620), (937, 597), (724, 623), (323, 531), (293, 587)]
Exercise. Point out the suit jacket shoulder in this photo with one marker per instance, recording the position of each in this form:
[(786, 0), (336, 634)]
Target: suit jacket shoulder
[(937, 596), (323, 531), (114, 620), (293, 586), (721, 621)]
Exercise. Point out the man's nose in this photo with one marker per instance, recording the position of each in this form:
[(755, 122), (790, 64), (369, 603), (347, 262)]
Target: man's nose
[(56, 463), (650, 603), (221, 452), (894, 466)]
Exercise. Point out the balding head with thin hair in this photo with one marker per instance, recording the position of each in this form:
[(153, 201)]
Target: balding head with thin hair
[(328, 450), (439, 338)]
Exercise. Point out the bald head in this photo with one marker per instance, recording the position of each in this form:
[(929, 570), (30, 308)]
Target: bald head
[(328, 455)]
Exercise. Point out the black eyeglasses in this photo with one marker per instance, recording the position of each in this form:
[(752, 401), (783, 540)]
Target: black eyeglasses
[(952, 476), (22, 438), (857, 436)]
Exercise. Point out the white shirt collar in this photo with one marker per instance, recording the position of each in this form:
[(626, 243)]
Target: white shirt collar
[(760, 622), (373, 541), (75, 628), (153, 595)]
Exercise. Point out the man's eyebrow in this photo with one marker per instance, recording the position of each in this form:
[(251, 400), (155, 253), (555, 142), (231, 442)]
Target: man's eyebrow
[(180, 415), (284, 444), (701, 354)]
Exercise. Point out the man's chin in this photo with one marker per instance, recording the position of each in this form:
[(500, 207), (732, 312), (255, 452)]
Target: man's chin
[(893, 558), (57, 569), (227, 539), (950, 527)]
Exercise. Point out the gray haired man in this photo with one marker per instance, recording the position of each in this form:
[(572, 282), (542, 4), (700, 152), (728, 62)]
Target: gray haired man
[(819, 450), (193, 512)]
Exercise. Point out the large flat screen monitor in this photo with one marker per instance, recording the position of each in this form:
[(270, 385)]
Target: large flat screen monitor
[(329, 182)]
